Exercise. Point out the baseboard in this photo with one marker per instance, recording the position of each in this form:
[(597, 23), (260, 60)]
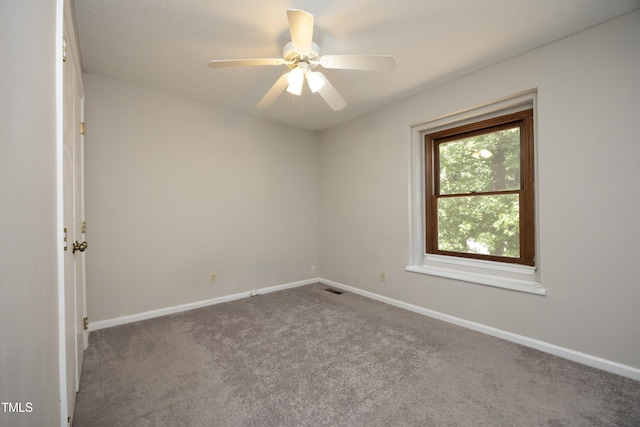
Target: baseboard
[(576, 356), (101, 324)]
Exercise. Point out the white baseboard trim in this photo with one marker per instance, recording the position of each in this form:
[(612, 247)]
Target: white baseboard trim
[(102, 324), (576, 356)]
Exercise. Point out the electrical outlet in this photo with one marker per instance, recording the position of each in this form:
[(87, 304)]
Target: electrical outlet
[(383, 276), (213, 277), (313, 269)]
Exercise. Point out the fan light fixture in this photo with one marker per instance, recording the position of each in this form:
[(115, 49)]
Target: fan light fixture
[(296, 77)]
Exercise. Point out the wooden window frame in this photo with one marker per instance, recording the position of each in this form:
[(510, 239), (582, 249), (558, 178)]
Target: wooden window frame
[(523, 119)]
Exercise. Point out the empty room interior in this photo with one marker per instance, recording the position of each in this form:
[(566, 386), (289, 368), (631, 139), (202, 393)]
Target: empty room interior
[(320, 213)]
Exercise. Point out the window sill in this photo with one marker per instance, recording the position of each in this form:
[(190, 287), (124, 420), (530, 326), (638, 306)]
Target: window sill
[(478, 263), (495, 280)]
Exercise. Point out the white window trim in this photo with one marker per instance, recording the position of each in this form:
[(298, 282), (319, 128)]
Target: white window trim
[(490, 273)]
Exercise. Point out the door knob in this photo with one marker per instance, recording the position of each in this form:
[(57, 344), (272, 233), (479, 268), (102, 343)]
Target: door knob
[(79, 246)]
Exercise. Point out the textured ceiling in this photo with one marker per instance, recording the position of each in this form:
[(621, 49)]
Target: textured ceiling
[(165, 45)]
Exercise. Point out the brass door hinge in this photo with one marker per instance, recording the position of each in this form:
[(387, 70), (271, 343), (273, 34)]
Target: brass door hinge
[(86, 323), (65, 240), (64, 49), (82, 128), (84, 227)]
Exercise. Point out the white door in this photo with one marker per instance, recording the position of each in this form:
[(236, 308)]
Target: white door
[(75, 337), (69, 263), (82, 334)]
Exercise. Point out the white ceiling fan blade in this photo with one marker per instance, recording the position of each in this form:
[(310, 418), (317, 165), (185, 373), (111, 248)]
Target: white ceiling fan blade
[(278, 87), (301, 28), (359, 62), (330, 94), (219, 63)]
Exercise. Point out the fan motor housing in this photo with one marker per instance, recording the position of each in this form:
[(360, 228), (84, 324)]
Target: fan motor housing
[(290, 53)]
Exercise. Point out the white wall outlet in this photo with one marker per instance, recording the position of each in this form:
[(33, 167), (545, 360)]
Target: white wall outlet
[(314, 269), (213, 277), (383, 276)]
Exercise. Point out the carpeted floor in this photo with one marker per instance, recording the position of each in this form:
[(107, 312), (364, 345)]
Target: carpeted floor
[(309, 357)]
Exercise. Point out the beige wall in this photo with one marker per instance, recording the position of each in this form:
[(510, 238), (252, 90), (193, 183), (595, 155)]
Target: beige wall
[(178, 189), (29, 370), (588, 195)]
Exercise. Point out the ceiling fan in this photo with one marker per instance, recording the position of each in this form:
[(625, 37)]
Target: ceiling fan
[(302, 56)]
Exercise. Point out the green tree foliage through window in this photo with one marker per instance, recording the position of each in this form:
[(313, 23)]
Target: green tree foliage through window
[(486, 224), (489, 162)]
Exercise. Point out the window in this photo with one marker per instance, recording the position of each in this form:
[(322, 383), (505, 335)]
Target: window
[(464, 253), (479, 196)]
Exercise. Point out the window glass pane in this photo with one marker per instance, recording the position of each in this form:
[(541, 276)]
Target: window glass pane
[(480, 224), (482, 163)]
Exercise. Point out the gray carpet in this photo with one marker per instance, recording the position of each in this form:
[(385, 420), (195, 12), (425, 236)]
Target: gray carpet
[(309, 357)]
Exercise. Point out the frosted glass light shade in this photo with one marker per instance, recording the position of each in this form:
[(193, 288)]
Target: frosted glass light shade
[(295, 79), (315, 81)]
